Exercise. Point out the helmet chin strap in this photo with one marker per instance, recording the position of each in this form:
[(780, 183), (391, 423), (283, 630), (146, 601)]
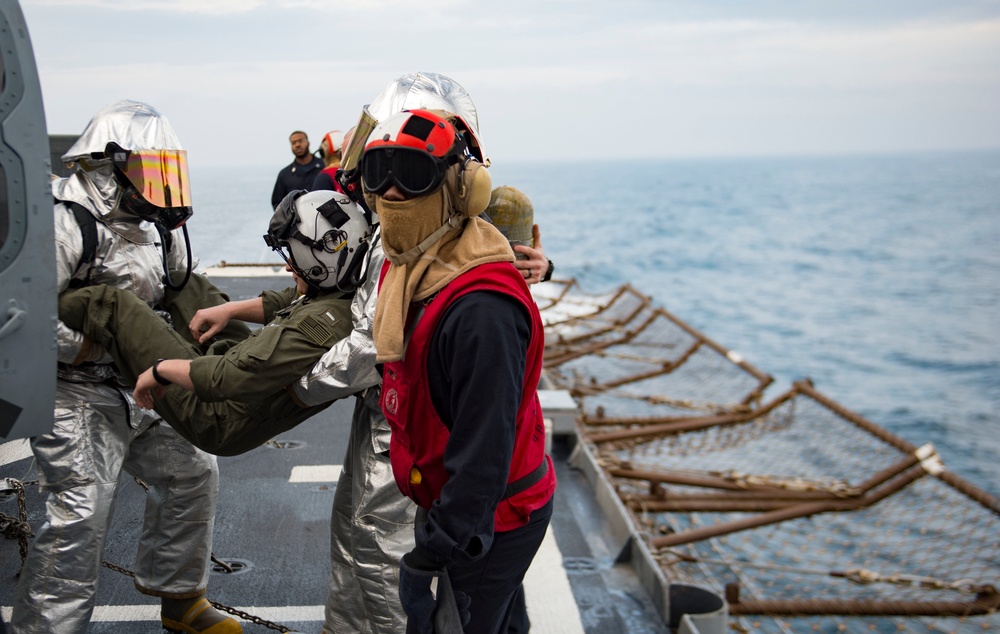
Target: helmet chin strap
[(312, 288)]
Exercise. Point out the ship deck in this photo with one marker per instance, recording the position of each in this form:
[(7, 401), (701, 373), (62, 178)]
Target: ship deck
[(272, 527)]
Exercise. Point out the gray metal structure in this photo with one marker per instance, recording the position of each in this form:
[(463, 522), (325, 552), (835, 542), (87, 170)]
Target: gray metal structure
[(27, 251)]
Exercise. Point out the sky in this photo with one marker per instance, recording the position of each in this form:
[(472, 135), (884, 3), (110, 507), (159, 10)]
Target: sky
[(554, 80)]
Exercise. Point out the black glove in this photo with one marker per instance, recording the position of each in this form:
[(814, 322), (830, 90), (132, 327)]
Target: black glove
[(447, 614), (463, 602), (415, 595), (452, 613)]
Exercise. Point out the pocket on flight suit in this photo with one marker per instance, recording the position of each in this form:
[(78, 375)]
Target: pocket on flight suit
[(258, 348)]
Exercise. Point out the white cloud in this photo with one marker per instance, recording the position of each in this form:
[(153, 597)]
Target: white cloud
[(731, 53), (755, 83), (212, 7), (226, 7)]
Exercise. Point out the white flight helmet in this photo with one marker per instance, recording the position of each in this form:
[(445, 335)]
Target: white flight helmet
[(323, 236)]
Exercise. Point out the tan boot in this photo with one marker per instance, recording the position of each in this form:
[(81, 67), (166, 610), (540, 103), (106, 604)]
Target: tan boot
[(196, 616)]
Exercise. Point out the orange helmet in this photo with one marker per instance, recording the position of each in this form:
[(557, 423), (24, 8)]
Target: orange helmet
[(411, 150)]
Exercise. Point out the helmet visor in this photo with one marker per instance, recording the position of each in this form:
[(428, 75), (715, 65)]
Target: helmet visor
[(160, 176), (415, 172), (283, 221), (351, 155)]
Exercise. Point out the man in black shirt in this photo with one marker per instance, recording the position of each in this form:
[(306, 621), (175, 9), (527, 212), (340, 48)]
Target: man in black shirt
[(301, 173)]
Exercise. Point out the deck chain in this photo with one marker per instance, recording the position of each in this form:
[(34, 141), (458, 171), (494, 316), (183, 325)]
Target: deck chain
[(250, 617), (20, 529), (218, 606)]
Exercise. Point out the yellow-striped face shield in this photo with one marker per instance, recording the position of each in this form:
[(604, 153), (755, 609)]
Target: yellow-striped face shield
[(156, 185), (160, 176), (351, 155)]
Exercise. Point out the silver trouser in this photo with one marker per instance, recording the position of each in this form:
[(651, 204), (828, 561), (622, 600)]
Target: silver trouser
[(99, 433), (371, 529)]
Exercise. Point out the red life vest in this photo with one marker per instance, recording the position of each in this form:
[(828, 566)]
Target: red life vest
[(416, 449), (332, 173)]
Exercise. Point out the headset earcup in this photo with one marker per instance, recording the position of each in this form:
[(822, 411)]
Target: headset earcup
[(479, 188), (469, 188)]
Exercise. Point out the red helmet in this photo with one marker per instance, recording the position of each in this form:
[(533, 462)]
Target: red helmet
[(411, 150)]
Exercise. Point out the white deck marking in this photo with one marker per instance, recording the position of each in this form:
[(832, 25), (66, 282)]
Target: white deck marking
[(316, 473), (551, 606), (14, 450), (151, 612)]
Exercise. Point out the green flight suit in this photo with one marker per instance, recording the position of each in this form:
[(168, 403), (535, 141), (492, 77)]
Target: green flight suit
[(240, 400)]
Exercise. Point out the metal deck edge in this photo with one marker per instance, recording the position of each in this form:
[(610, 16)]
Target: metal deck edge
[(711, 612)]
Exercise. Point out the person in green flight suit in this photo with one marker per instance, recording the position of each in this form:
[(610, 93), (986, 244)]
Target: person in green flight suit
[(228, 397)]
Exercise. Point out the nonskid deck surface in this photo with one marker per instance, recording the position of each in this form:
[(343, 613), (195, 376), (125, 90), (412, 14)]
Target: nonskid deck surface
[(273, 526)]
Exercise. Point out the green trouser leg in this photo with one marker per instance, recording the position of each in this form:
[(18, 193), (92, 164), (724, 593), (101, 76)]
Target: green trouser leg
[(200, 293), (125, 326), (136, 337)]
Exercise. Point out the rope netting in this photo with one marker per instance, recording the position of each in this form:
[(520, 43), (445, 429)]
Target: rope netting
[(806, 516)]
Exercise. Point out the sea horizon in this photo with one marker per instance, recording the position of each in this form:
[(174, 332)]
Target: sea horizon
[(875, 275)]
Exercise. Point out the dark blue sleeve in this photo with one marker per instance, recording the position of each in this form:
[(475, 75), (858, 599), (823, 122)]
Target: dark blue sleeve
[(323, 181), (279, 190), (475, 368)]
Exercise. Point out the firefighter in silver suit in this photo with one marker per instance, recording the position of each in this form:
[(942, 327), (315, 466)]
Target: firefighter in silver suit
[(131, 177), (372, 522)]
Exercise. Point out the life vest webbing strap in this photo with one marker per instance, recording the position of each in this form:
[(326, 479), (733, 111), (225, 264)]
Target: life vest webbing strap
[(526, 482)]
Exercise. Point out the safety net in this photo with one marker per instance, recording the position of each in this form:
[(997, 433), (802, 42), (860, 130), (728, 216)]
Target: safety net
[(803, 514)]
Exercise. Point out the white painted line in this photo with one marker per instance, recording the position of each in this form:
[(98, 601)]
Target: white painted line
[(151, 612), (126, 613), (254, 270), (288, 613), (316, 473), (551, 605), (14, 450), (547, 593)]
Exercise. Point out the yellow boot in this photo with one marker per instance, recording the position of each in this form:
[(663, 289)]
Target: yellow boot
[(199, 617)]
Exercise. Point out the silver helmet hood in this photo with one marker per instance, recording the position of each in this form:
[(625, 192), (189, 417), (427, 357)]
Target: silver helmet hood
[(431, 91), (133, 125)]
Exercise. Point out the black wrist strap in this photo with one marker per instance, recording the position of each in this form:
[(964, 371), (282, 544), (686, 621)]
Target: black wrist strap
[(549, 272), (157, 376)]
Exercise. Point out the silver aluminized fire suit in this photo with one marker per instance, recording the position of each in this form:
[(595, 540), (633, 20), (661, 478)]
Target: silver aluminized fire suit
[(99, 432), (372, 522)]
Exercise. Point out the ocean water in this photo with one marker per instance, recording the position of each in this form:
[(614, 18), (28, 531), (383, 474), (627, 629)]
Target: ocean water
[(878, 277)]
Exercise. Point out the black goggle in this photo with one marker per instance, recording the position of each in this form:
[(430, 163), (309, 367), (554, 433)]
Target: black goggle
[(413, 171), (169, 218)]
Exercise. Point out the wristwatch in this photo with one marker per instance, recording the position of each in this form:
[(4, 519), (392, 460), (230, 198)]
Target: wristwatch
[(157, 376), (548, 272)]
